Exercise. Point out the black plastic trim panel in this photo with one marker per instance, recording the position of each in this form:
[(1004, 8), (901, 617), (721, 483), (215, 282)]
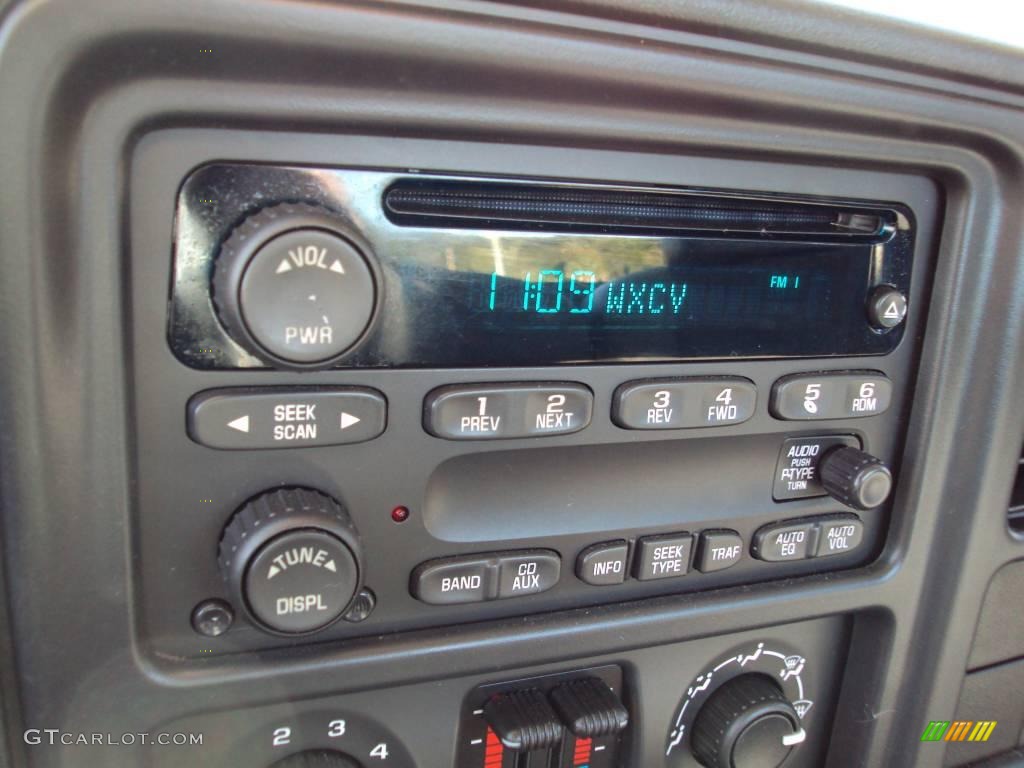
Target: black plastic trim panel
[(716, 81)]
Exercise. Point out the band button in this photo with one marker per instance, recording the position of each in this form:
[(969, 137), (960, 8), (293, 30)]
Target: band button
[(453, 581)]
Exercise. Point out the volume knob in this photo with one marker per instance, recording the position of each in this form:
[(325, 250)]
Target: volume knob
[(293, 287), (290, 558), (855, 478)]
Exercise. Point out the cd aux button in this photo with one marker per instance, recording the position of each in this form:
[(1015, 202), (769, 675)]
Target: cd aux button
[(503, 411), (479, 578), (528, 573)]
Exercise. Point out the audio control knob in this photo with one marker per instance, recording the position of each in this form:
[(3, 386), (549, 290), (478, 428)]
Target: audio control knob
[(855, 478), (290, 557), (747, 723), (293, 288), (320, 758)]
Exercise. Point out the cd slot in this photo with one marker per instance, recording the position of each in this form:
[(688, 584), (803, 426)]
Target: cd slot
[(440, 203)]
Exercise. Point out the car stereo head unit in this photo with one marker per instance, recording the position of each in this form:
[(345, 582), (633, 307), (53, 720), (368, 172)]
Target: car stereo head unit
[(310, 268)]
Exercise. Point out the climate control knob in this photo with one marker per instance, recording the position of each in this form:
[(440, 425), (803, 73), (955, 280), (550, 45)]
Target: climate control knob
[(855, 478), (290, 558), (747, 723), (293, 287), (320, 758)]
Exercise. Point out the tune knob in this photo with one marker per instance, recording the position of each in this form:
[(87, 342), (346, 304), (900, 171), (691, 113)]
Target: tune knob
[(290, 558), (292, 287), (321, 758), (747, 723), (855, 478)]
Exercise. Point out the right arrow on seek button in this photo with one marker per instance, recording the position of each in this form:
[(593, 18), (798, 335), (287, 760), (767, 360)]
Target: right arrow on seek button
[(347, 420)]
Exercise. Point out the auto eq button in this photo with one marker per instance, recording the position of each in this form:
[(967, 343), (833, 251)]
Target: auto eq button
[(781, 542)]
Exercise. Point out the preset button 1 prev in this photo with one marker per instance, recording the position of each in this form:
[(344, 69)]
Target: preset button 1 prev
[(285, 418), (502, 411)]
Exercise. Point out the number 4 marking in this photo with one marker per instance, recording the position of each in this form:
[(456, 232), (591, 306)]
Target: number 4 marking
[(380, 751), (725, 396)]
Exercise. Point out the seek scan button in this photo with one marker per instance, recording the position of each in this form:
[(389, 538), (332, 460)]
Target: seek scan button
[(285, 417), (663, 557)]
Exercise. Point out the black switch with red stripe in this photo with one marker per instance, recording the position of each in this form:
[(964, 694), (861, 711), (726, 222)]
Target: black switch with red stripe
[(572, 720)]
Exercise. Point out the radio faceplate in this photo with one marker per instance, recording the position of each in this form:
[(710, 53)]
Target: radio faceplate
[(677, 504), (468, 272)]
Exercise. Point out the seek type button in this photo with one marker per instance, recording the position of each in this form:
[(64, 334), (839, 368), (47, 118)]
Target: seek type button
[(663, 557), (528, 573), (796, 474)]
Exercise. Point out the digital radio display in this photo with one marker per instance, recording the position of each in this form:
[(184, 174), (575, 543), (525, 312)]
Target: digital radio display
[(553, 299)]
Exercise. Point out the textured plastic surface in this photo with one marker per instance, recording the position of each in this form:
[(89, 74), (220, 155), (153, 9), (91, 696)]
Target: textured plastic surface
[(811, 98)]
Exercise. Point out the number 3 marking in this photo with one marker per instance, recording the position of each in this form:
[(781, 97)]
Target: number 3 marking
[(336, 728)]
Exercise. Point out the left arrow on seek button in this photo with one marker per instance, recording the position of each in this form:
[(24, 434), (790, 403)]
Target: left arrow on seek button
[(241, 423)]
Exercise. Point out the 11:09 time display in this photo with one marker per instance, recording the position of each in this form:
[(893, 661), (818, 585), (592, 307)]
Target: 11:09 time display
[(550, 291)]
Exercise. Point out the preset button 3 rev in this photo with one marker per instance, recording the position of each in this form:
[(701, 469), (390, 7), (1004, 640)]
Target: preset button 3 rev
[(683, 403)]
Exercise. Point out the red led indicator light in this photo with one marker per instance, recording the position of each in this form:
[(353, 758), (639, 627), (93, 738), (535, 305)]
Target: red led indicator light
[(400, 514), (581, 754), (494, 751)]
